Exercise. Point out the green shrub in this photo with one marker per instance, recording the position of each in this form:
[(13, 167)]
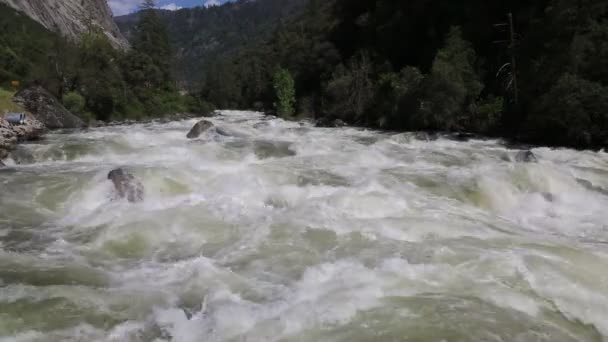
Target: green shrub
[(452, 85), (284, 87), (74, 102), (484, 117)]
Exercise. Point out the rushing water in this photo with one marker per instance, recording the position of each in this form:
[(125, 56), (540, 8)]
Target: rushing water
[(285, 232)]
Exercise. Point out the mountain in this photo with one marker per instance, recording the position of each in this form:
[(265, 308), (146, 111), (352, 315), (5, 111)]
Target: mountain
[(200, 35), (71, 17)]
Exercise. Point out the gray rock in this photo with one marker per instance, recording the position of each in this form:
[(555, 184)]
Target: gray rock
[(199, 128), (10, 135), (32, 129), (47, 109), (525, 157), (72, 18), (126, 185)]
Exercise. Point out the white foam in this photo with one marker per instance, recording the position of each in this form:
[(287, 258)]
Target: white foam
[(227, 245)]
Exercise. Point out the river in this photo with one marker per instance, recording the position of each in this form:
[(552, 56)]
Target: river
[(286, 232)]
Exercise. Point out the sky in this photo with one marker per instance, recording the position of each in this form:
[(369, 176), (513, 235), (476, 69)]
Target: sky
[(121, 7)]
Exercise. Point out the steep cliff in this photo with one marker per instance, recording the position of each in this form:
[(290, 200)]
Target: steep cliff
[(71, 17)]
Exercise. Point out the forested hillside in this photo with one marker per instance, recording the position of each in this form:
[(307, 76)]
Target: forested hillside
[(199, 35), (92, 78), (435, 65)]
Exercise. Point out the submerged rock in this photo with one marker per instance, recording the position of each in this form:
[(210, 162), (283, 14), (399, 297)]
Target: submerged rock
[(525, 157), (229, 133), (272, 149), (591, 187), (47, 109), (126, 185), (199, 128), (330, 123), (426, 136)]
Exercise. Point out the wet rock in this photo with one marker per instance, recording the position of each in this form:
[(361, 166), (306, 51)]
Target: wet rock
[(590, 186), (126, 185), (272, 149), (549, 197), (47, 109), (426, 136), (525, 157), (199, 129), (261, 125), (330, 123)]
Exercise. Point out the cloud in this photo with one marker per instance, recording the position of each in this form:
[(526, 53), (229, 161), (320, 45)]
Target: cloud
[(122, 7), (171, 7), (210, 3)]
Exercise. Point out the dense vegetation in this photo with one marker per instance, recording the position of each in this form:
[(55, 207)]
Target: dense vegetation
[(435, 65), (202, 35), (399, 65), (94, 80)]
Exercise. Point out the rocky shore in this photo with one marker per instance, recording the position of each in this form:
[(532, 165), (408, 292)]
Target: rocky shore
[(10, 135), (43, 111)]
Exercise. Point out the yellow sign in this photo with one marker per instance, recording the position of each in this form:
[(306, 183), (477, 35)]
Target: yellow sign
[(15, 84)]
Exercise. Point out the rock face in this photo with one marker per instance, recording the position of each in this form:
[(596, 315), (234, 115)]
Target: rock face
[(126, 185), (47, 109), (199, 128), (10, 135), (71, 18)]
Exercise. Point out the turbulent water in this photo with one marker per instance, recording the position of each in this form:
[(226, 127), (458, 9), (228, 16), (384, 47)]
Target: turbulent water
[(285, 232)]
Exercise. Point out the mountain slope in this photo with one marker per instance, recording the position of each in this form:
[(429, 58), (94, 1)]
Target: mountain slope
[(201, 35), (71, 17)]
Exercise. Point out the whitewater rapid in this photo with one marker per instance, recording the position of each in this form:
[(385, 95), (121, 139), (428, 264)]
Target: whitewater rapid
[(287, 232)]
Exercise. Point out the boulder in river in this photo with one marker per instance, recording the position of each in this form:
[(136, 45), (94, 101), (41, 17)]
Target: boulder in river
[(264, 149), (525, 157), (199, 129), (126, 185), (47, 109)]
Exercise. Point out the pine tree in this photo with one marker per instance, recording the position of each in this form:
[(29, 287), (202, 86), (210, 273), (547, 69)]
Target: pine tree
[(284, 87), (149, 62)]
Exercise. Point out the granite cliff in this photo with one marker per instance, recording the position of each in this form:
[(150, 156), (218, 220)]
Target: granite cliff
[(71, 17)]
